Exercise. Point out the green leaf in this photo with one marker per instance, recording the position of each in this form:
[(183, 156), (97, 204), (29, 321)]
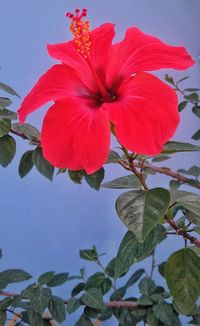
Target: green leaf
[(5, 126), (83, 321), (164, 312), (128, 181), (76, 176), (183, 278), (182, 105), (196, 135), (151, 318), (99, 281), (135, 277), (118, 294), (4, 101), (28, 130), (36, 319), (57, 309), (174, 184), (147, 286), (78, 288), (186, 199), (192, 97), (72, 305), (7, 150), (113, 157), (175, 147), (14, 275), (8, 89), (94, 180), (3, 317), (41, 299), (26, 164), (194, 170), (169, 79), (142, 210), (5, 303), (160, 158), (42, 165), (196, 111), (45, 277), (7, 114), (161, 268), (191, 89), (131, 250), (93, 298), (89, 254), (145, 300), (58, 279)]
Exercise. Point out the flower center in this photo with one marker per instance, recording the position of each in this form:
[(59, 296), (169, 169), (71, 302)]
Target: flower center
[(81, 30)]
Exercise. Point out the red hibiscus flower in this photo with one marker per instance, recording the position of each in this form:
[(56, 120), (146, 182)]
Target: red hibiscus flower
[(98, 83)]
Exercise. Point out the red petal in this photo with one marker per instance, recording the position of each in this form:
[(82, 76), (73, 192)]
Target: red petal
[(76, 135), (57, 83), (101, 38), (142, 52), (145, 115)]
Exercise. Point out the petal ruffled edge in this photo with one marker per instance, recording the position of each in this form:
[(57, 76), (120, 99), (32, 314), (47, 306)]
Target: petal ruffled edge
[(142, 52)]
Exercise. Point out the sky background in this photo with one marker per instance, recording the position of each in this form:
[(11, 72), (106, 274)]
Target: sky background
[(44, 224)]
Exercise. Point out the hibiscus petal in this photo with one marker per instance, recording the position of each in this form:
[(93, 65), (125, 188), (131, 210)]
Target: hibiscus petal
[(76, 135), (141, 52), (145, 114), (58, 82), (101, 39)]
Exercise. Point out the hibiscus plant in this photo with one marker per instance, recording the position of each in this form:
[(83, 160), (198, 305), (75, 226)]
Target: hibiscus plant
[(101, 91)]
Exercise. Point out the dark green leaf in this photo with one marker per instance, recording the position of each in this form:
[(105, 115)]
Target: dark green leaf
[(128, 181), (78, 288), (27, 130), (26, 164), (145, 300), (147, 286), (3, 317), (118, 294), (161, 268), (5, 126), (93, 298), (142, 210), (98, 280), (58, 279), (196, 135), (164, 312), (5, 303), (135, 277), (94, 180), (113, 157), (192, 97), (7, 150), (89, 254), (76, 176), (8, 89), (194, 170), (174, 184), (42, 165), (183, 278), (14, 275), (151, 318), (106, 314), (169, 79), (160, 158), (7, 114), (57, 309), (4, 101), (191, 89), (41, 299), (83, 321), (37, 320), (72, 305), (188, 200), (45, 277), (196, 111), (174, 147), (90, 312), (182, 105)]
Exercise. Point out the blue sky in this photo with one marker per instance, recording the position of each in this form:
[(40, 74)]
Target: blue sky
[(44, 224)]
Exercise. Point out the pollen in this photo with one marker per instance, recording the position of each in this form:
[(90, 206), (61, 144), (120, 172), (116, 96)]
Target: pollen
[(81, 31)]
